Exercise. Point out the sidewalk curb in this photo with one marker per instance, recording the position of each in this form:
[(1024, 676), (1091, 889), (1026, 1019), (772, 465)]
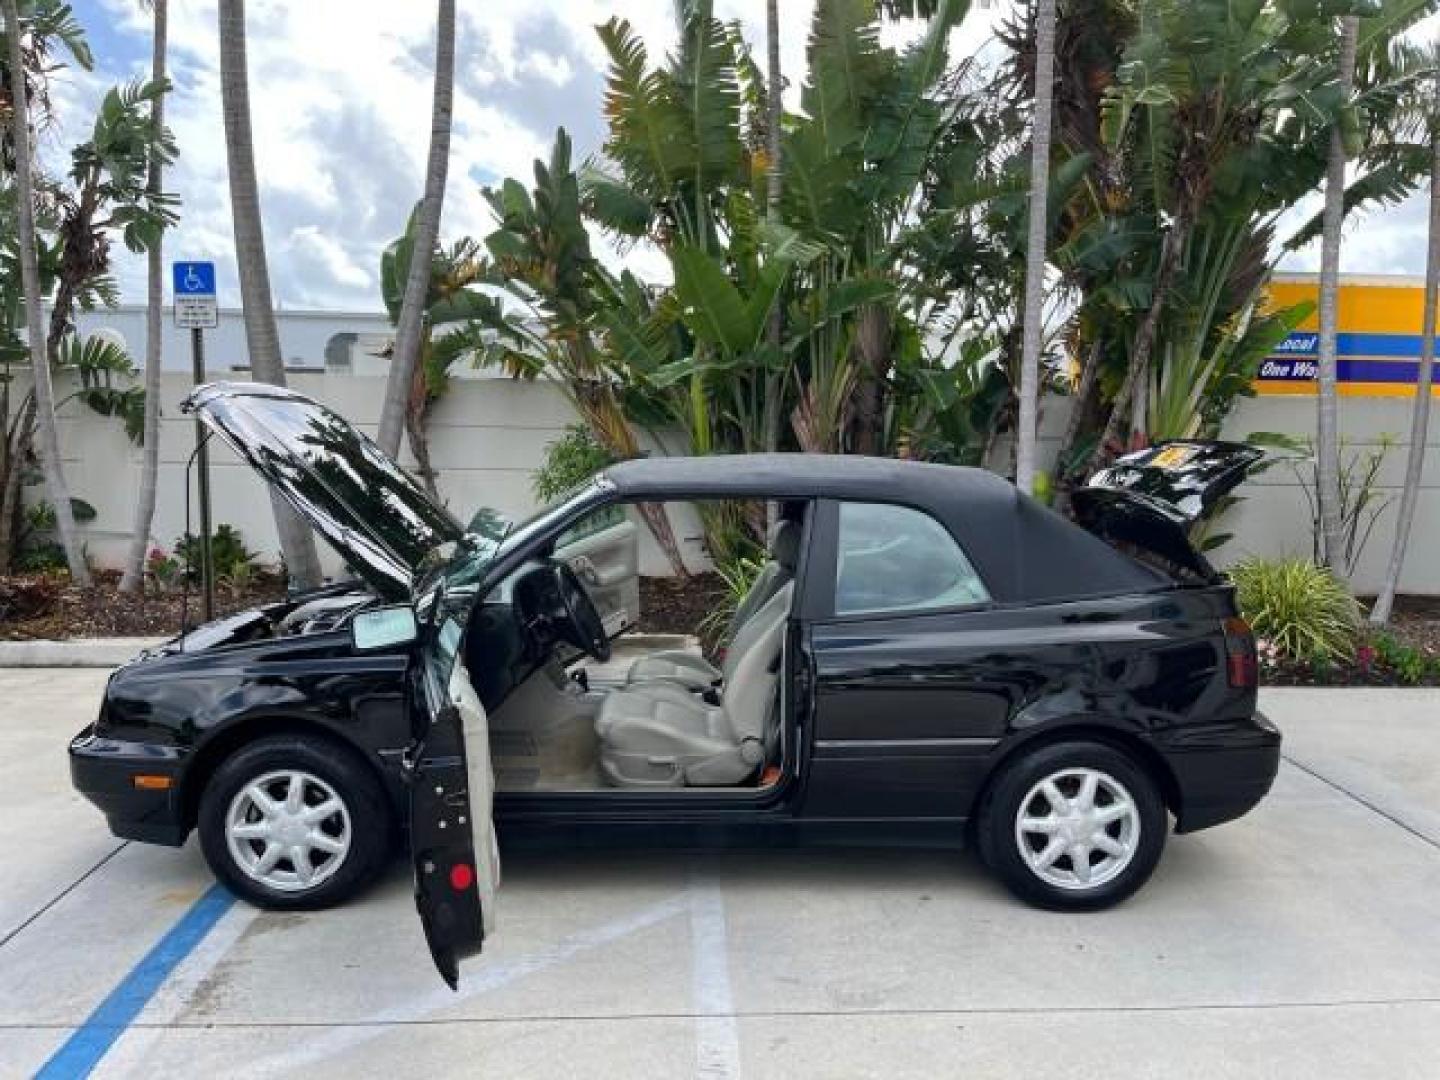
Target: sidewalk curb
[(79, 653)]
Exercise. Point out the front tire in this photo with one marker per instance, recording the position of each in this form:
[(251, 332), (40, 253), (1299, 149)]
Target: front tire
[(1074, 826), (294, 823)]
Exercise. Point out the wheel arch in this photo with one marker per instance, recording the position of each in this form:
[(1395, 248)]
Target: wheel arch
[(243, 731), (1084, 730)]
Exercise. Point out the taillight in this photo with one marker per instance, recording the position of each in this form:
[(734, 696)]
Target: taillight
[(1241, 662)]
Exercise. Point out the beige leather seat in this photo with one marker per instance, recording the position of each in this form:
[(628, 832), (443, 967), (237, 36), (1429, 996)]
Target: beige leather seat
[(694, 672), (662, 735)]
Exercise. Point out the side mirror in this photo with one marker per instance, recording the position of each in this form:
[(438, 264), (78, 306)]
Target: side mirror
[(383, 628)]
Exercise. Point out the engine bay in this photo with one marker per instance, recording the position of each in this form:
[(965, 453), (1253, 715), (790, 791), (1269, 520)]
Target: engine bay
[(315, 612)]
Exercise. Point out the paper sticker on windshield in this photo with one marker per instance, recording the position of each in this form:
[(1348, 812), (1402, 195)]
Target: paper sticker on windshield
[(1173, 457)]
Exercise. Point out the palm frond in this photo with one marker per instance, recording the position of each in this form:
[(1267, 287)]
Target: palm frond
[(1390, 174), (647, 133), (705, 90), (845, 62), (903, 124)]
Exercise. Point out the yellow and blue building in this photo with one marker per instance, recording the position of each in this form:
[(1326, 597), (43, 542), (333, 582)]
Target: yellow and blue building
[(1377, 341), (1379, 338)]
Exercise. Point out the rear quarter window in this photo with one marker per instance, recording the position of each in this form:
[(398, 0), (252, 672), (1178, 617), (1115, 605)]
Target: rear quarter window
[(898, 559)]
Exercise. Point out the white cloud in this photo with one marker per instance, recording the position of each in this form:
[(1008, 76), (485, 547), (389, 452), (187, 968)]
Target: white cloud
[(340, 97), (309, 245)]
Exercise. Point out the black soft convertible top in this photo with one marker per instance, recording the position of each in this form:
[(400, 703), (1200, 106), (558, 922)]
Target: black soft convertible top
[(1025, 552)]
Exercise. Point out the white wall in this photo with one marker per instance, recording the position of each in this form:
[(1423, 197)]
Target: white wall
[(488, 435), (486, 438), (304, 336), (1273, 519)]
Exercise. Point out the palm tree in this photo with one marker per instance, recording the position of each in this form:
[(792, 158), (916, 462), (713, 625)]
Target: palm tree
[(875, 137), (1420, 418), (134, 575), (1327, 437), (1213, 147), (410, 328), (1035, 246), (44, 396), (774, 191), (261, 334), (455, 308), (541, 256)]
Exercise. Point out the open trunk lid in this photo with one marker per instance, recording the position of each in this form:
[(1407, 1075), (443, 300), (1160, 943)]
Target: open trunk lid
[(1148, 502)]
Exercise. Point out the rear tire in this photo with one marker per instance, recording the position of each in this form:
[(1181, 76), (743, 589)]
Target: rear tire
[(294, 823), (1073, 826)]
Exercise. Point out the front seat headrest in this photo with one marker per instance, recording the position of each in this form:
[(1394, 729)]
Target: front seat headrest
[(785, 539)]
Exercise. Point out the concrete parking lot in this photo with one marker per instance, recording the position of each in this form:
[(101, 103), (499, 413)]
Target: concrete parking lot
[(1301, 941)]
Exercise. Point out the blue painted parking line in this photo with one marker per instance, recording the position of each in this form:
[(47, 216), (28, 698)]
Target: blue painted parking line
[(102, 1028)]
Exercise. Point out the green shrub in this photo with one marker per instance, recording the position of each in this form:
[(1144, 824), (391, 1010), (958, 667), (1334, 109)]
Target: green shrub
[(227, 553), (734, 530), (1301, 610), (569, 461), (1411, 665), (164, 572), (41, 557), (38, 547), (739, 576)]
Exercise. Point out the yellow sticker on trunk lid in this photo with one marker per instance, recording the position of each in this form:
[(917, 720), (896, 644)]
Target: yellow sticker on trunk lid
[(1173, 457)]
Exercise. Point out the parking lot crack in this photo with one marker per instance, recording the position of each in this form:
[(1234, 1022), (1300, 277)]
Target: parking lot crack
[(776, 1014), (1373, 807), (43, 908)]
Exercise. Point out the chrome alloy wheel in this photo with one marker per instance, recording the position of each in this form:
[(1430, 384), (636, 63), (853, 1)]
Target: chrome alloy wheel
[(288, 830), (1078, 829)]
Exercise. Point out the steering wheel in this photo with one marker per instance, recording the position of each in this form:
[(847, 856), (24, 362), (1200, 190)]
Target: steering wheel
[(583, 626)]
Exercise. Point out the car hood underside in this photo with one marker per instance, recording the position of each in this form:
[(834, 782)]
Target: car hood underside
[(375, 515)]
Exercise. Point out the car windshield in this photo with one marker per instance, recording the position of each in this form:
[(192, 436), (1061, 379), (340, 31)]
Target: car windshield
[(549, 516), (490, 536), (461, 567), (463, 563)]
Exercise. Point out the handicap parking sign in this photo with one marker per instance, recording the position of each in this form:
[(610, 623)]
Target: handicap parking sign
[(194, 278), (195, 306)]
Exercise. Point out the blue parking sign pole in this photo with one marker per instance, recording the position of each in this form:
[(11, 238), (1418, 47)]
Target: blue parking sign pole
[(196, 309)]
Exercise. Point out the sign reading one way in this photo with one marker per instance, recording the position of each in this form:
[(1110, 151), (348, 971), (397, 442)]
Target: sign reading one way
[(195, 304)]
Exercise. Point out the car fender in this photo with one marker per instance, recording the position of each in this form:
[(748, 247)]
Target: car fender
[(1033, 729)]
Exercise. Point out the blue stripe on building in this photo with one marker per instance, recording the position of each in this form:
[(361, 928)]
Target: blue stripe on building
[(1307, 343)]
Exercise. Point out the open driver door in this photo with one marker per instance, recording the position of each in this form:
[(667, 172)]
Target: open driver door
[(452, 836)]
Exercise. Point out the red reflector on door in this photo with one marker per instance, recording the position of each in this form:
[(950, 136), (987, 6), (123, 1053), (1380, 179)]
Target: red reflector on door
[(461, 877)]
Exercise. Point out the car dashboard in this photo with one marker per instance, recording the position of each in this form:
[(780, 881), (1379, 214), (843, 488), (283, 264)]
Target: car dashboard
[(512, 633)]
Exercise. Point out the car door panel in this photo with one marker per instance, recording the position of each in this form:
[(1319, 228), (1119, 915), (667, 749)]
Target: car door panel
[(453, 847), (902, 723), (904, 703), (606, 559)]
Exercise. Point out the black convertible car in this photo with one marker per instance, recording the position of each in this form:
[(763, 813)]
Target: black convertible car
[(927, 657)]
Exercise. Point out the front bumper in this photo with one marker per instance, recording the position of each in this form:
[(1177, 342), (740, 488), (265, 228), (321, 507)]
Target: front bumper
[(104, 771), (1224, 780)]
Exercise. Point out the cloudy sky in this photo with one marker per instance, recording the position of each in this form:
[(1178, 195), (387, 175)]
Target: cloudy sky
[(340, 92)]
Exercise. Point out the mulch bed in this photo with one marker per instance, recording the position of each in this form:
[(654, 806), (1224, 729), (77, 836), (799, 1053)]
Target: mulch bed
[(1414, 622), (675, 606), (48, 606)]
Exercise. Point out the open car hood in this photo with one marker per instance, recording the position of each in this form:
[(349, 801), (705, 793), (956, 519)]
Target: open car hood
[(374, 514), (1151, 499)]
